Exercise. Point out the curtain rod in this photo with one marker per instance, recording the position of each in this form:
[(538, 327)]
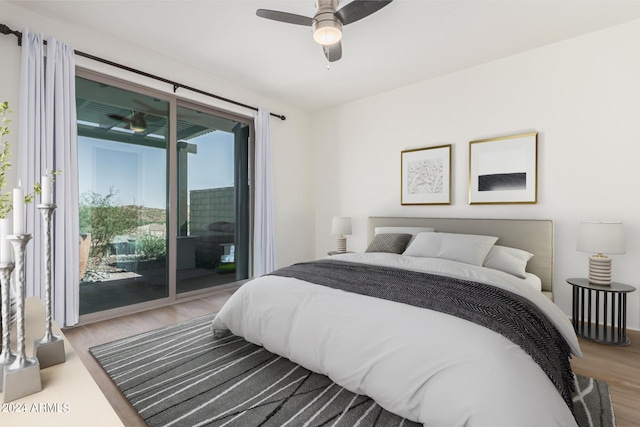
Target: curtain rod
[(7, 31)]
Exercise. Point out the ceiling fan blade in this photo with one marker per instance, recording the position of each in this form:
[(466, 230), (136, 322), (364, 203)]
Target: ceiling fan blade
[(289, 18), (118, 117), (358, 9), (333, 52)]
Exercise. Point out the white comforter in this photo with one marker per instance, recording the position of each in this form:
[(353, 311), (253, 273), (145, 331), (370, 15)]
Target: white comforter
[(424, 365)]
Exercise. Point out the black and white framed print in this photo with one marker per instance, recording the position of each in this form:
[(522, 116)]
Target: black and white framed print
[(504, 169), (426, 176)]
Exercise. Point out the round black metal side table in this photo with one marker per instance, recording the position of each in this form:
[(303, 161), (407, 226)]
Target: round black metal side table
[(605, 308)]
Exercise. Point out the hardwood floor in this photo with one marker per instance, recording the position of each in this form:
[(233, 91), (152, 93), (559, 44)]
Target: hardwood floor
[(618, 366), (82, 338)]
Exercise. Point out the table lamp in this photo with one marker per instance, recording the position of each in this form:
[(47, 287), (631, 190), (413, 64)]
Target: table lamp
[(341, 225), (600, 237)]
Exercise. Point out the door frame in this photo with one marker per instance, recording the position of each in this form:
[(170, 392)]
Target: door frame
[(174, 100)]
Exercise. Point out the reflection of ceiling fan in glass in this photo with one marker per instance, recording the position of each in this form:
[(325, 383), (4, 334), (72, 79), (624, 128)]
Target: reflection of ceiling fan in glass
[(136, 121), (141, 120)]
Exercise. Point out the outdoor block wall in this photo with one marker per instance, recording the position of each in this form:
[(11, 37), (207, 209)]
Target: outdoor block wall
[(207, 207)]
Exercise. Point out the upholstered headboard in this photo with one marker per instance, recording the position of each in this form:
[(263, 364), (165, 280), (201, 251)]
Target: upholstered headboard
[(535, 236)]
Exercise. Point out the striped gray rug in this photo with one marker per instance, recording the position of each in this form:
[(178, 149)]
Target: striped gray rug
[(181, 376)]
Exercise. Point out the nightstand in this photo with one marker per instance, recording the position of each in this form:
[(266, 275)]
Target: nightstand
[(601, 304)]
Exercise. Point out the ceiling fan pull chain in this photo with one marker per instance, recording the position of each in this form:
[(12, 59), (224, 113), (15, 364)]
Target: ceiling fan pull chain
[(327, 54)]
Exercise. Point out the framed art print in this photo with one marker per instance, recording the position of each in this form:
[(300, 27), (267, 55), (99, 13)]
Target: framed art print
[(426, 176), (504, 169)]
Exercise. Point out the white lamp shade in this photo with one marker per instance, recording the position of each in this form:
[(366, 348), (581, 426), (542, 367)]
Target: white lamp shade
[(601, 237), (341, 225)]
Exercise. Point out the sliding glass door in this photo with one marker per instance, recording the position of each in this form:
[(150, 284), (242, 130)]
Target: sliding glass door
[(213, 200), (135, 149), (122, 163)]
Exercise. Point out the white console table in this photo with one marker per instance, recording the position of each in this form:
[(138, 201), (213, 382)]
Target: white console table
[(69, 396)]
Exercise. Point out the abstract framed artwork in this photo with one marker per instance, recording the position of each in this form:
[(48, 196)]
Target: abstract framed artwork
[(504, 170), (425, 177)]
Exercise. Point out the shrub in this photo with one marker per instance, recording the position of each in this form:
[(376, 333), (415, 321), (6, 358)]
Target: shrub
[(151, 247), (104, 220)]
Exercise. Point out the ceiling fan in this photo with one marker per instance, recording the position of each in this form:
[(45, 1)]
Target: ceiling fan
[(328, 21), (136, 121)]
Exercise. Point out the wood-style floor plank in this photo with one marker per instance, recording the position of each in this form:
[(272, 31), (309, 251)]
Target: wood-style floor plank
[(84, 337), (618, 366)]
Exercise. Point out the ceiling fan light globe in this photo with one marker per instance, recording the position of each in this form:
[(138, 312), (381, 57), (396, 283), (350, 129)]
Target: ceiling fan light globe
[(327, 30), (327, 36)]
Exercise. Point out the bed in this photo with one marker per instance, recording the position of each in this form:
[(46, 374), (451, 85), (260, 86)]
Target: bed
[(431, 335)]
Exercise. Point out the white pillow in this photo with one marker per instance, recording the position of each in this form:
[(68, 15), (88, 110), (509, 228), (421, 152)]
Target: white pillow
[(404, 230), (510, 260), (467, 248)]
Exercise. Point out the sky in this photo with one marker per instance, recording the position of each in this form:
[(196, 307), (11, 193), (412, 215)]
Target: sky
[(138, 173)]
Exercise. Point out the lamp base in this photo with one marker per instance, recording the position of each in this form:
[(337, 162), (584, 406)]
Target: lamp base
[(600, 270), (342, 244)]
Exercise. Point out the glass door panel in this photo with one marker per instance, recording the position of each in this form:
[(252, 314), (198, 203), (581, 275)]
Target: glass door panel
[(213, 200), (122, 162)]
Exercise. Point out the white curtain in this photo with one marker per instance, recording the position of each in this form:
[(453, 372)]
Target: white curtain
[(48, 141), (264, 256), (32, 131)]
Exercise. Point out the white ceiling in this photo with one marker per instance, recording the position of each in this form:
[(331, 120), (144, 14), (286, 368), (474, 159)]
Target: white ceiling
[(406, 42)]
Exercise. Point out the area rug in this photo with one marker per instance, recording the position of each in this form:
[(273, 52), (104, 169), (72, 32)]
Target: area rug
[(180, 376)]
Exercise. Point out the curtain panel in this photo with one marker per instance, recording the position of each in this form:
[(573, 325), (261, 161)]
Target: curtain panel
[(264, 256), (48, 141)]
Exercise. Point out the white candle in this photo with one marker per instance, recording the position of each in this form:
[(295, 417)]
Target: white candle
[(5, 245), (18, 210), (46, 186)]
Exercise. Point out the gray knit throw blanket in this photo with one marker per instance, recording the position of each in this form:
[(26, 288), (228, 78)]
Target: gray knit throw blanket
[(501, 311)]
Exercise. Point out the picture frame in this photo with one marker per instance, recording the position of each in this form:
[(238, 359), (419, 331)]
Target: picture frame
[(425, 177), (504, 170)]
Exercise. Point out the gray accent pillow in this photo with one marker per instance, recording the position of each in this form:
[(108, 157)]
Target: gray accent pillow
[(402, 229), (393, 243)]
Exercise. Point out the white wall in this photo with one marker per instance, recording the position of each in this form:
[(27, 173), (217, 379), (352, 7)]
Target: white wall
[(581, 95), (291, 148)]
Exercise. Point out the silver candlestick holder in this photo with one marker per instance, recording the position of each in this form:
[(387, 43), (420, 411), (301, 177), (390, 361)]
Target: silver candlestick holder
[(7, 356), (22, 377), (50, 348)]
